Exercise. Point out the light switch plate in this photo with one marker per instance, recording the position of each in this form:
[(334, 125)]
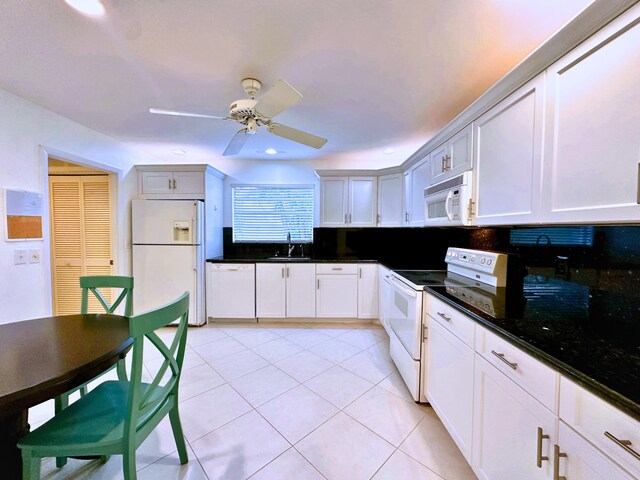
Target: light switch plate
[(34, 256), (19, 257)]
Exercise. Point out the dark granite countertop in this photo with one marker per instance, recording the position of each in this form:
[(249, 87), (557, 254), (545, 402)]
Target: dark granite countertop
[(286, 259), (590, 335)]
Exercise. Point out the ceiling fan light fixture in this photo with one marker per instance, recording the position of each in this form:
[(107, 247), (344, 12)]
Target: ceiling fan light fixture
[(93, 8), (179, 151), (388, 151), (271, 151)]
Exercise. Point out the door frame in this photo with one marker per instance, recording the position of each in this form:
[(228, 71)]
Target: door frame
[(116, 176)]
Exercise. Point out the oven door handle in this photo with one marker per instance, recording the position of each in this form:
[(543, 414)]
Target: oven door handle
[(398, 286), (447, 205)]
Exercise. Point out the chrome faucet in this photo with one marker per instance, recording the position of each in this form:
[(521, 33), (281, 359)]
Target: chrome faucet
[(291, 246)]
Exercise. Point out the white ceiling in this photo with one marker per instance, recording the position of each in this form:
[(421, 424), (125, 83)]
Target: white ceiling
[(373, 73)]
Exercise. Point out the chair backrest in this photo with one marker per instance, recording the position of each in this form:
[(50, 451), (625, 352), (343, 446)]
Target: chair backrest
[(92, 283), (143, 402)]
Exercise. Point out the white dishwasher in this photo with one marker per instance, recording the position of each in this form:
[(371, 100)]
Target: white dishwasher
[(231, 291)]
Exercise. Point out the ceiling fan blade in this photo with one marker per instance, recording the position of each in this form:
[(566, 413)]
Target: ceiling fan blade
[(297, 135), (236, 143), (279, 98), (176, 113)]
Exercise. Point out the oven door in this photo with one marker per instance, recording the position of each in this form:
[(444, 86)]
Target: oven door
[(405, 316)]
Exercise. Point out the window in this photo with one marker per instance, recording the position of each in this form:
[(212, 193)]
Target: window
[(267, 213), (553, 236)]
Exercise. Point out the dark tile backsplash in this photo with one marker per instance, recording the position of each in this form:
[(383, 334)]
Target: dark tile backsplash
[(614, 250)]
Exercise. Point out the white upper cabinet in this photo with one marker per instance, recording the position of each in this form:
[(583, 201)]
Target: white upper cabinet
[(367, 291), (156, 182), (592, 149), (348, 201), (172, 184), (390, 211), (363, 201), (334, 201), (508, 158), (406, 197), (451, 158), (419, 174)]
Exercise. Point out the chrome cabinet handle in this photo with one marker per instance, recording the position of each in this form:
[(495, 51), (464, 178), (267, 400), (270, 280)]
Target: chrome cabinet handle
[(336, 268), (539, 457), (345, 219), (169, 184), (359, 273), (282, 272), (557, 455), (318, 284), (174, 183), (349, 218), (442, 315), (624, 444), (406, 217), (447, 165), (378, 218), (287, 272), (512, 365)]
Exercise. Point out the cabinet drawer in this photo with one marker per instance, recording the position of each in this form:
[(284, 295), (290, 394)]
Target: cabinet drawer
[(592, 417), (454, 321), (337, 269), (540, 381)]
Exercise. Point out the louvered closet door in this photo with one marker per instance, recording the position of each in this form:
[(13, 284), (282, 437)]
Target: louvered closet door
[(80, 237)]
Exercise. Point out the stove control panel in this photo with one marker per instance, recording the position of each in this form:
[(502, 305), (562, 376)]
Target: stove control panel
[(483, 266)]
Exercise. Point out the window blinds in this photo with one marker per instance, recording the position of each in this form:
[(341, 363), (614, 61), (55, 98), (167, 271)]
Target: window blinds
[(265, 213), (550, 236)]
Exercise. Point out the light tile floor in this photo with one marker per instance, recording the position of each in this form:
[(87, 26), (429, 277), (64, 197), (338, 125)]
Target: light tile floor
[(287, 401)]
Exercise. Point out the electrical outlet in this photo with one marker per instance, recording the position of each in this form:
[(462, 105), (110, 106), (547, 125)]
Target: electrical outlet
[(19, 257), (34, 256)]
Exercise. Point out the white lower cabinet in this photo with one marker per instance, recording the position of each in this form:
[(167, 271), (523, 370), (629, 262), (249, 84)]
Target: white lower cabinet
[(285, 290), (270, 290), (577, 459), (301, 293), (367, 291), (450, 383), (509, 429), (336, 296)]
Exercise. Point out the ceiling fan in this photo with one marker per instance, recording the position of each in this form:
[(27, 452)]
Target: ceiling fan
[(254, 113)]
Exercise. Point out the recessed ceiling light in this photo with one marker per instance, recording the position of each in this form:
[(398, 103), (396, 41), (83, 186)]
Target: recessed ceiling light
[(270, 151), (88, 7), (388, 151), (178, 151)]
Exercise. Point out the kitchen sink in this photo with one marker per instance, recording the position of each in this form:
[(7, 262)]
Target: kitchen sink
[(289, 259)]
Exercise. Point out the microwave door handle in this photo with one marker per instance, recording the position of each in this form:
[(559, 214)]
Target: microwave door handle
[(447, 205)]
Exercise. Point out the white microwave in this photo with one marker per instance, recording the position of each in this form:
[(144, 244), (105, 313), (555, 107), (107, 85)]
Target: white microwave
[(449, 202)]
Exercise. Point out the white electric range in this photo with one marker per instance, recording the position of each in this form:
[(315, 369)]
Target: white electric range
[(404, 317)]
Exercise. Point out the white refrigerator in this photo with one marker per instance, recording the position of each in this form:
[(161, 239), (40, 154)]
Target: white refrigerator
[(168, 254)]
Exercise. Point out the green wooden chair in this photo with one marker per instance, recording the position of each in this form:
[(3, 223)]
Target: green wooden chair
[(116, 416), (92, 284)]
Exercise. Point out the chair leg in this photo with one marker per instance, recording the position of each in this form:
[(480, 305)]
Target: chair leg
[(174, 417), (129, 464), (61, 402), (30, 466), (83, 390), (121, 369)]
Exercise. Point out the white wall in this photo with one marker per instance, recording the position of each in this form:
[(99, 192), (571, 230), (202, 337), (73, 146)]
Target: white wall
[(26, 131)]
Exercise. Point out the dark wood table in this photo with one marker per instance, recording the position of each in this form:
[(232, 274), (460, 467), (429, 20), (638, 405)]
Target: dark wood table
[(42, 358)]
